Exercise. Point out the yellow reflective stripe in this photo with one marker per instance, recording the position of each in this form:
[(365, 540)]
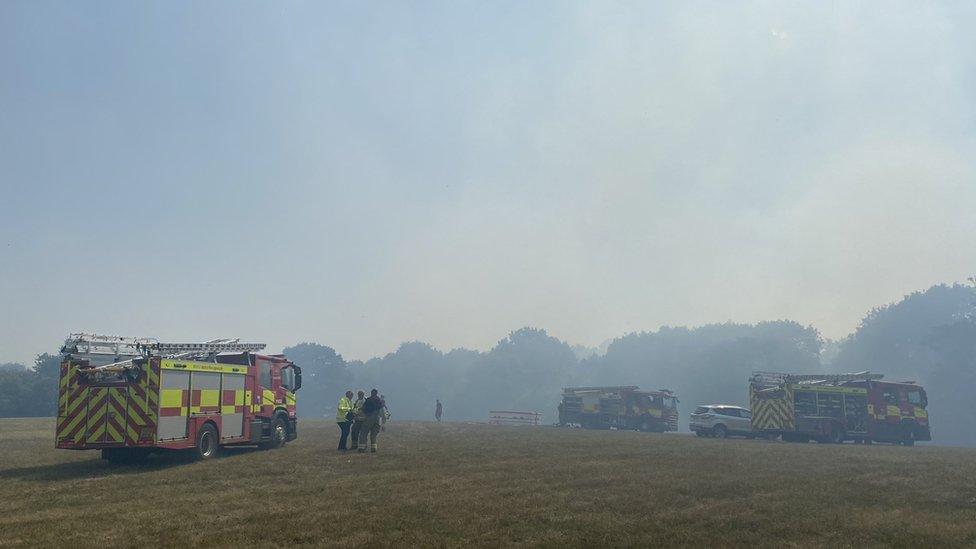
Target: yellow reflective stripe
[(894, 411), (63, 392), (118, 396), (209, 397), (73, 424), (170, 398), (112, 433), (97, 434), (268, 396), (81, 399), (227, 409)]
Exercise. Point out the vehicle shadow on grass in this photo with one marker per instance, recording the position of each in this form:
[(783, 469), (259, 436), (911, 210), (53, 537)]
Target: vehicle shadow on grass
[(99, 468)]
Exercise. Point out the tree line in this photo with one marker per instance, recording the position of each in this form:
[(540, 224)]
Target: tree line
[(928, 337)]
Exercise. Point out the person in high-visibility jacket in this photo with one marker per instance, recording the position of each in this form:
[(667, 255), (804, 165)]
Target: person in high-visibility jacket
[(344, 418)]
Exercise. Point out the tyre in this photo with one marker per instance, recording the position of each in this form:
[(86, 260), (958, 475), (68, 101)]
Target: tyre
[(699, 433), (279, 434), (208, 443), (720, 431), (837, 435), (908, 437)]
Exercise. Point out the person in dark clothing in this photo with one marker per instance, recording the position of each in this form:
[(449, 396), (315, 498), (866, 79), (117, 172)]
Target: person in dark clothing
[(372, 409), (357, 420), (438, 410)]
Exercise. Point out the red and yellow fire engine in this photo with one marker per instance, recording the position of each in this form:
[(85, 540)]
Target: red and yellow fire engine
[(128, 396), (835, 408), (619, 407)]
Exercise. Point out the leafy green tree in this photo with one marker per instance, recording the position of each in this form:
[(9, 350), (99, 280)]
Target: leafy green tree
[(926, 337), (325, 377)]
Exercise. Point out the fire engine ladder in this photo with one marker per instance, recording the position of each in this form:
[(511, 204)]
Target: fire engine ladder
[(121, 351), (772, 379)]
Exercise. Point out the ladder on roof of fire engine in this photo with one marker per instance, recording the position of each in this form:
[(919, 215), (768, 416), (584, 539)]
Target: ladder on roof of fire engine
[(769, 379), (120, 351)]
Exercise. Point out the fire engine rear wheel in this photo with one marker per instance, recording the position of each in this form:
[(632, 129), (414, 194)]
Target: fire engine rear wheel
[(837, 435), (720, 431), (207, 442), (908, 438)]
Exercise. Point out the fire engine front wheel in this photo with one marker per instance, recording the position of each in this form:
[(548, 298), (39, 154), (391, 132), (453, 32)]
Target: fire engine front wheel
[(279, 434), (207, 442)]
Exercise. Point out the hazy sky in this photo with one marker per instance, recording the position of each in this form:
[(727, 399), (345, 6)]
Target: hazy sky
[(359, 174)]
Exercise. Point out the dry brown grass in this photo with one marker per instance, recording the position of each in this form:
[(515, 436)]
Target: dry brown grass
[(454, 484)]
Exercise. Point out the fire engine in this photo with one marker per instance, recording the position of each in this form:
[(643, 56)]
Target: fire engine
[(624, 407), (130, 396), (835, 408)]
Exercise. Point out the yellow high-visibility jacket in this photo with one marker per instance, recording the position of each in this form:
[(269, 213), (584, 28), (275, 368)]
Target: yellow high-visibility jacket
[(345, 406)]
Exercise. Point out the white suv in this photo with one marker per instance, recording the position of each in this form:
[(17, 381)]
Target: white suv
[(721, 420)]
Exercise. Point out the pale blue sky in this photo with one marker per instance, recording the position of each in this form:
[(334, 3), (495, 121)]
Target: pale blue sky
[(360, 174)]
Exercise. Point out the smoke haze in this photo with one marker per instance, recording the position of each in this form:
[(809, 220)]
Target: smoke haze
[(449, 172)]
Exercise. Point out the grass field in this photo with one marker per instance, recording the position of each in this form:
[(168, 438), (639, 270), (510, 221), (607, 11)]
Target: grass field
[(456, 484)]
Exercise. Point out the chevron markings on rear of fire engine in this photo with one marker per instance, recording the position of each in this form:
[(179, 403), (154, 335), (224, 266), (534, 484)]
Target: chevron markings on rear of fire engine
[(772, 414), (71, 423), (141, 417), (98, 397), (63, 389), (115, 415)]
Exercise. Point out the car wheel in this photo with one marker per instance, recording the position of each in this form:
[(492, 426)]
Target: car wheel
[(699, 433), (720, 431)]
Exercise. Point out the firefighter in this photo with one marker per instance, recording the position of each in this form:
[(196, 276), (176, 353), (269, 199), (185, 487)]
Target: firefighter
[(343, 417), (357, 421), (386, 415), (372, 410), (438, 410)]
